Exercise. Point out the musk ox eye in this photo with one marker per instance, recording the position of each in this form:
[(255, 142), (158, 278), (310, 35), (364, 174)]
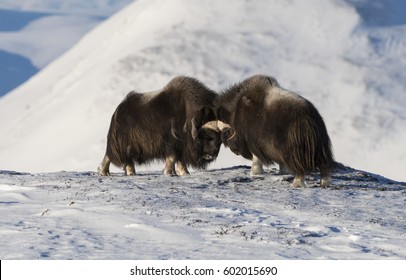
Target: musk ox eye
[(206, 137), (227, 134)]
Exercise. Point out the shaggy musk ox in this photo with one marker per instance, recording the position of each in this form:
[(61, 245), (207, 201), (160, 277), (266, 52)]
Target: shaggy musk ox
[(177, 124), (267, 124)]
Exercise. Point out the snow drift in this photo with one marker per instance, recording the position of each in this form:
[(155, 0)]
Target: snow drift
[(221, 214)]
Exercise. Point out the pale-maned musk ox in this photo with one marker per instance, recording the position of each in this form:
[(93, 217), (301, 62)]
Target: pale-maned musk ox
[(177, 124), (267, 124)]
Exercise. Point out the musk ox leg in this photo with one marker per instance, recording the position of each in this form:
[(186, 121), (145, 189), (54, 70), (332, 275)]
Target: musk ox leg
[(129, 169), (181, 169), (325, 176), (283, 170), (170, 166), (298, 182), (104, 167), (325, 181), (256, 167)]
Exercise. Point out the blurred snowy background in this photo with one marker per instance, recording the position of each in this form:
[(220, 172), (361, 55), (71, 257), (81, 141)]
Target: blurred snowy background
[(33, 33)]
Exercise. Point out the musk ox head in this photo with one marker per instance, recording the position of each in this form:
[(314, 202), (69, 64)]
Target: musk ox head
[(206, 137), (234, 141), (229, 136)]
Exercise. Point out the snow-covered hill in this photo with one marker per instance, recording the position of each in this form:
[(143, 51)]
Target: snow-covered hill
[(335, 54), (221, 214), (35, 32)]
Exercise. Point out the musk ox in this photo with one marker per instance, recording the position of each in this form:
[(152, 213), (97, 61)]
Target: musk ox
[(177, 124), (267, 124)]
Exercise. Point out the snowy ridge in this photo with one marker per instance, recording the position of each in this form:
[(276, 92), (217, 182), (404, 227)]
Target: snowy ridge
[(35, 32), (220, 214), (89, 7)]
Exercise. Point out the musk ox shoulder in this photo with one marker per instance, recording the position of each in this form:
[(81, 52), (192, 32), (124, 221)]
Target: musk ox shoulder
[(263, 122), (176, 124)]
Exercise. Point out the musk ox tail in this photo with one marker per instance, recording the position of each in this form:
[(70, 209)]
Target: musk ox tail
[(309, 144), (117, 145)]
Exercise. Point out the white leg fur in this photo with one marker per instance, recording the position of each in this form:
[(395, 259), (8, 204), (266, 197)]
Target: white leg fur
[(324, 182), (169, 166), (104, 167), (256, 167), (181, 169), (129, 170), (298, 182)]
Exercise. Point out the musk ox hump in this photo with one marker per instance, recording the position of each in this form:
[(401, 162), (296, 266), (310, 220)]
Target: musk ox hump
[(275, 94), (148, 96)]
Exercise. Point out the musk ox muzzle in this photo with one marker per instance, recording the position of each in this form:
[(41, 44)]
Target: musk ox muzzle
[(208, 139)]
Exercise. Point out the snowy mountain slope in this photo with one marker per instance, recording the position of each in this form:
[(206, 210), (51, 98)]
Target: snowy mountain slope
[(48, 37), (14, 72), (59, 119), (89, 7), (41, 31), (221, 214)]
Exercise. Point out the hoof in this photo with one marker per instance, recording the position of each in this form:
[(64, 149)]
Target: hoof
[(298, 182), (181, 169), (102, 172), (256, 170), (129, 170), (169, 172), (325, 182), (182, 172), (256, 167)]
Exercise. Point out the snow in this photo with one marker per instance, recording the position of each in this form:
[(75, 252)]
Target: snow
[(32, 41), (41, 31), (339, 54), (215, 214), (89, 7)]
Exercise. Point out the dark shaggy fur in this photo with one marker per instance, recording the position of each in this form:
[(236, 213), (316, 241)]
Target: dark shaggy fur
[(271, 125), (167, 124)]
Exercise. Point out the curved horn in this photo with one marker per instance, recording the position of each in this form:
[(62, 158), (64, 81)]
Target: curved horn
[(173, 130), (222, 125), (194, 129), (211, 125), (232, 136)]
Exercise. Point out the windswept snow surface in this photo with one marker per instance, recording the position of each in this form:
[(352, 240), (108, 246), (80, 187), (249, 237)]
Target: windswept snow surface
[(219, 214), (336, 54)]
